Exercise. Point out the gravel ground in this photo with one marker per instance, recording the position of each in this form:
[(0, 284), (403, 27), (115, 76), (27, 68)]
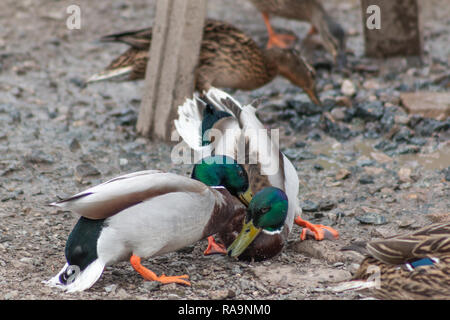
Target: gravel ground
[(374, 172)]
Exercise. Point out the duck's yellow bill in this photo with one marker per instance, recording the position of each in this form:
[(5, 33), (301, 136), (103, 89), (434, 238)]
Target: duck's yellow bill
[(243, 240), (246, 197)]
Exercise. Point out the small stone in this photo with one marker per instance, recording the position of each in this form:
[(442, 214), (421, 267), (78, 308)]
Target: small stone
[(85, 170), (338, 113), (219, 294), (404, 174), (39, 157), (318, 167), (381, 157), (111, 288), (427, 104), (342, 174), (348, 88), (151, 285), (366, 179), (326, 205), (309, 206), (74, 145), (372, 111), (371, 218)]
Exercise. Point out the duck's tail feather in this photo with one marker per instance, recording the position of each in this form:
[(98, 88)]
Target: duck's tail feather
[(117, 74), (139, 39), (71, 279)]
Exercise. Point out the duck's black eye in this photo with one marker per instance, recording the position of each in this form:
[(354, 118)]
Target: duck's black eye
[(264, 210)]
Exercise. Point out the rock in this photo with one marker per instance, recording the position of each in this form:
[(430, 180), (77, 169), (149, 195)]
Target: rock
[(85, 170), (403, 135), (348, 88), (39, 157), (318, 167), (366, 179), (326, 205), (342, 174), (219, 294), (447, 174), (151, 285), (370, 111), (112, 288), (322, 250), (428, 126), (404, 174), (381, 157), (371, 218), (408, 149), (427, 104), (309, 206), (338, 113), (74, 145)]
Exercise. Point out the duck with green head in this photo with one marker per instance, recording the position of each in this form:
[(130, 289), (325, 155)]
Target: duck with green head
[(149, 213), (217, 111)]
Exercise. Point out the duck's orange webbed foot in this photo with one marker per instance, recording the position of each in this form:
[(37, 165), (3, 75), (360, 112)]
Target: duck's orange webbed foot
[(280, 40), (151, 276), (277, 39), (318, 231), (214, 247)]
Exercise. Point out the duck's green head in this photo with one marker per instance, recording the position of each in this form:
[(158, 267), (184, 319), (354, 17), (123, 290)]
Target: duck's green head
[(267, 211), (224, 171)]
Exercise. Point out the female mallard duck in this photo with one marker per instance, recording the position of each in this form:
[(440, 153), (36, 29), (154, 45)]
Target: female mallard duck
[(228, 59), (236, 127), (412, 266), (150, 213), (312, 11)]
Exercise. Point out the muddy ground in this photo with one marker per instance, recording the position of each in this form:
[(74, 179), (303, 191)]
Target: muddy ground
[(375, 172)]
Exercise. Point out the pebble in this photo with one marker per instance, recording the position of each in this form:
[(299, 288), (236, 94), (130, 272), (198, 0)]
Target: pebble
[(366, 179), (151, 285), (85, 170), (39, 157), (370, 111), (219, 294), (309, 206), (371, 218), (348, 88)]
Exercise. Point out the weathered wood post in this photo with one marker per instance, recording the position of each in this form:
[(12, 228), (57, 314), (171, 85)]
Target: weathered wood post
[(176, 39), (391, 28)]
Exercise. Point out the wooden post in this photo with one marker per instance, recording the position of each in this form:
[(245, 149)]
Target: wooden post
[(399, 32), (176, 39)]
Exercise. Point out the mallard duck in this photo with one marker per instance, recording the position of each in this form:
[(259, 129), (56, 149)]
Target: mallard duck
[(312, 11), (237, 126), (228, 59), (412, 266), (144, 214)]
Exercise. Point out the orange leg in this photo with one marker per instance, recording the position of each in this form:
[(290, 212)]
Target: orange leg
[(150, 275), (214, 247), (276, 39), (319, 231)]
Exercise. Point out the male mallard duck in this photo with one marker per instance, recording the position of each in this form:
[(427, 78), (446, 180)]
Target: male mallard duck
[(412, 266), (312, 11), (144, 214), (235, 127), (228, 59)]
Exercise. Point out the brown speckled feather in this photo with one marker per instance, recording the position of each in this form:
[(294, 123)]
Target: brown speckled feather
[(228, 59), (396, 281)]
